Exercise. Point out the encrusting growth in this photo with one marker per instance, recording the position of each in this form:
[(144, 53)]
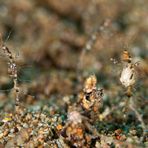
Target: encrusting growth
[(12, 71), (91, 97), (79, 130)]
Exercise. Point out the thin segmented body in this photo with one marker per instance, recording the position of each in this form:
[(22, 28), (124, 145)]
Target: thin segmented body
[(12, 70)]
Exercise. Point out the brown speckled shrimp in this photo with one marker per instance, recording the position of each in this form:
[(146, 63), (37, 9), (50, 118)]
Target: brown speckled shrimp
[(12, 70)]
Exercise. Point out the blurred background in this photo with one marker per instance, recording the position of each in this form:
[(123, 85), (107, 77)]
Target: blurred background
[(47, 39)]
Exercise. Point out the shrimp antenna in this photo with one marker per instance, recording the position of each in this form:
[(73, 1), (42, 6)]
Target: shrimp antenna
[(8, 36)]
